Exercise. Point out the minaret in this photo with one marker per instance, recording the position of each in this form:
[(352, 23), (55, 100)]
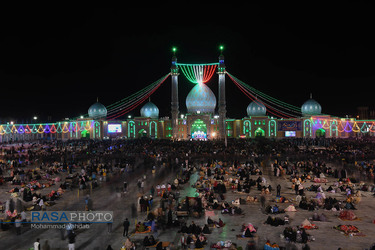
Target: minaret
[(222, 102), (174, 99)]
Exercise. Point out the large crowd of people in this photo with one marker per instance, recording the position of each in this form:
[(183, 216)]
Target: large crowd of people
[(27, 169)]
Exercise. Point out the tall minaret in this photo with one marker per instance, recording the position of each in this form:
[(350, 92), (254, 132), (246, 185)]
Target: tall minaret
[(174, 101), (222, 102)]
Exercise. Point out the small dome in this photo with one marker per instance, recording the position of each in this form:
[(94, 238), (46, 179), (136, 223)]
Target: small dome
[(202, 99), (311, 107), (150, 110), (256, 108), (97, 111)]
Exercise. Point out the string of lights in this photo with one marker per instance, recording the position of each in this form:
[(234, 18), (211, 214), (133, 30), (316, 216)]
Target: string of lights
[(136, 102), (198, 73), (143, 94), (276, 112)]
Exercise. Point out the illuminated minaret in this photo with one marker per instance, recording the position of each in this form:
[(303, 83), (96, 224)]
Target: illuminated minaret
[(174, 101), (222, 102)]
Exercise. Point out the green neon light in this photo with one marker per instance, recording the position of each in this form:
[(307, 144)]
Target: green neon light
[(97, 129), (187, 71), (131, 129), (366, 128), (259, 130), (155, 130), (198, 125), (271, 128), (196, 64), (307, 127), (247, 128)]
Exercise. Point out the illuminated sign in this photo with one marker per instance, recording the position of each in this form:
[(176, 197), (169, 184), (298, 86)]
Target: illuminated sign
[(114, 128)]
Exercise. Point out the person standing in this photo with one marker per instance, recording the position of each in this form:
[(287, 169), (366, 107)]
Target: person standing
[(125, 186), (109, 227), (263, 201), (37, 244), (72, 240), (278, 190), (17, 224), (126, 225), (142, 186)]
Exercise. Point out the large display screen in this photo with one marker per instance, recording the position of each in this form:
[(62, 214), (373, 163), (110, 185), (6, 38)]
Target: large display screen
[(290, 133), (114, 128)]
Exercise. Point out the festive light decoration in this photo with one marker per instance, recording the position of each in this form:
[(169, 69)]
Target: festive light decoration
[(129, 105), (198, 73), (270, 109)]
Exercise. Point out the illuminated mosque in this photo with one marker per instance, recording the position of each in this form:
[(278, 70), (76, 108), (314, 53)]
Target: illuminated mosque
[(266, 116)]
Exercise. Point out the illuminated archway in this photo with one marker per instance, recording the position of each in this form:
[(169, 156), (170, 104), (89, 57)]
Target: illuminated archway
[(198, 129), (85, 134), (259, 132), (320, 132), (142, 133), (247, 128)]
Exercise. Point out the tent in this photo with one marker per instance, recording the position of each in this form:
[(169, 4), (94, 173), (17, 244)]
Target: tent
[(306, 224)]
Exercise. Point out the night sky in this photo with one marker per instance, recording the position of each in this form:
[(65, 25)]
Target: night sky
[(56, 64)]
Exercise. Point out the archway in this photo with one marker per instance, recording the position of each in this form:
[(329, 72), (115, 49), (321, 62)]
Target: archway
[(198, 130), (259, 132), (142, 133), (320, 133), (85, 134)]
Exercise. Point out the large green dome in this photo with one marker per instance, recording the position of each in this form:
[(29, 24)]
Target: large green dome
[(150, 110), (97, 111), (201, 100)]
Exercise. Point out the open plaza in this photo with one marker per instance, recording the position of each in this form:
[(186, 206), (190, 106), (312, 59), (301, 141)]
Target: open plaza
[(249, 194)]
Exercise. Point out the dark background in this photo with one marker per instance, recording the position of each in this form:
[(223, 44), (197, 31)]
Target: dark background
[(55, 63)]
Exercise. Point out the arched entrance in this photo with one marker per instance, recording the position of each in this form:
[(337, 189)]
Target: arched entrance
[(259, 132), (142, 133), (320, 133), (198, 130), (85, 134)]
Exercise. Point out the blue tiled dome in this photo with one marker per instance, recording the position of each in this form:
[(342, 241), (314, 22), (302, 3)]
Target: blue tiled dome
[(311, 107), (97, 111), (256, 108), (201, 99), (150, 110)]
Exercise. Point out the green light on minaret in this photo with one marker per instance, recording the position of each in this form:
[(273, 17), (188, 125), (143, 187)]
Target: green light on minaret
[(221, 48), (174, 49)]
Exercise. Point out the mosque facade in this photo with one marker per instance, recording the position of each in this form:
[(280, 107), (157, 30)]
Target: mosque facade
[(202, 122), (206, 119)]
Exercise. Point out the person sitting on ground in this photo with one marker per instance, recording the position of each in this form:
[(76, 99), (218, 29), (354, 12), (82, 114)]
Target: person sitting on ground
[(146, 242), (203, 239), (210, 222), (152, 240), (221, 223), (140, 227), (128, 244), (206, 230), (198, 243), (247, 233)]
